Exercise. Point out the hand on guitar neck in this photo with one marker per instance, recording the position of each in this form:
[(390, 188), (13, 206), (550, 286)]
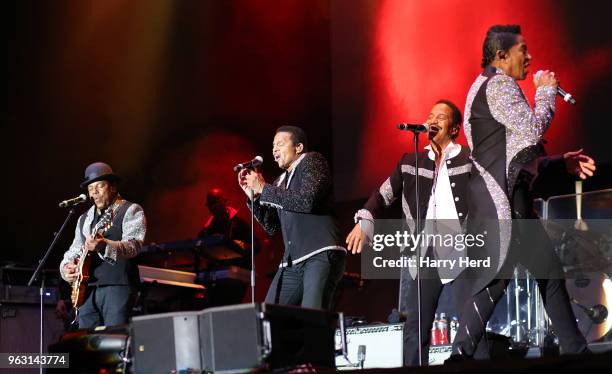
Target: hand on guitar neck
[(95, 243)]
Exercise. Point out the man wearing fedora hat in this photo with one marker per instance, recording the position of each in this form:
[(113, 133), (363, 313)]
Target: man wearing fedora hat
[(113, 276)]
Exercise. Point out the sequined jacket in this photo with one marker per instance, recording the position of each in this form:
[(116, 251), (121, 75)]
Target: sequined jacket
[(505, 135), (401, 184), (300, 205), (128, 229)]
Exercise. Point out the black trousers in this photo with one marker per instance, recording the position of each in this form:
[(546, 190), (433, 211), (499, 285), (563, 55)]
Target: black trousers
[(431, 289), (106, 306), (478, 309), (430, 293), (310, 283), (532, 248)]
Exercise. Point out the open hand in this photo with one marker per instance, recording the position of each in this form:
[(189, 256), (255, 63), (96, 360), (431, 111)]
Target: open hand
[(355, 240), (579, 164)]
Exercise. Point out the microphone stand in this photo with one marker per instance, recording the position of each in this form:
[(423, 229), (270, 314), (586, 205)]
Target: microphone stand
[(417, 228), (416, 133), (38, 272)]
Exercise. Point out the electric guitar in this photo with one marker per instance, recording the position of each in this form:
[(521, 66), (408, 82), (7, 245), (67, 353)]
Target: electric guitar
[(84, 261)]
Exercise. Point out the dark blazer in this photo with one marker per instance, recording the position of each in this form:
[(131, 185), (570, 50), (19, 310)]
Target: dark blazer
[(401, 184), (303, 210)]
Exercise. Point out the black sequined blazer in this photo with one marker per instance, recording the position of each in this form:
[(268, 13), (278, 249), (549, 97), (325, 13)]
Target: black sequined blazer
[(300, 204)]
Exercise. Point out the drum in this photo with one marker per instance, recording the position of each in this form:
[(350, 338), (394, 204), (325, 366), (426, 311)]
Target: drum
[(591, 296)]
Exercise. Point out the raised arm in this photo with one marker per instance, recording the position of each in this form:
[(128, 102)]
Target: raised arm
[(316, 185)]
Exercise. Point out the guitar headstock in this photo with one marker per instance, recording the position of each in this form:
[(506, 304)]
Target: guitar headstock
[(105, 222)]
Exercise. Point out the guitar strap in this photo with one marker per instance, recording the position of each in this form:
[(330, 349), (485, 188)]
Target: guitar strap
[(83, 216)]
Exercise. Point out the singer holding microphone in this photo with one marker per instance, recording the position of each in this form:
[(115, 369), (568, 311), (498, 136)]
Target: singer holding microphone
[(113, 275), (505, 135), (299, 204)]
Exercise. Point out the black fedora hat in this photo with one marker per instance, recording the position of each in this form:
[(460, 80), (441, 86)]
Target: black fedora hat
[(99, 171)]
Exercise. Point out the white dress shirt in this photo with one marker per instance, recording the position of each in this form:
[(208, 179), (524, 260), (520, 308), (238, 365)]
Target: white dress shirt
[(441, 204)]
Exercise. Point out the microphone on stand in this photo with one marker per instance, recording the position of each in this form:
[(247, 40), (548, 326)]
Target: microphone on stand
[(74, 201), (424, 127), (560, 91), (258, 160), (597, 313)]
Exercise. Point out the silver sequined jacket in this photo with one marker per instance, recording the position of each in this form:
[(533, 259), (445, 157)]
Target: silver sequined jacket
[(134, 227), (505, 135)]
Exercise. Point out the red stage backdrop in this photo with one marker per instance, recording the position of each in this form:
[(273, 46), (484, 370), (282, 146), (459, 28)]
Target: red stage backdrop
[(172, 93), (411, 53)]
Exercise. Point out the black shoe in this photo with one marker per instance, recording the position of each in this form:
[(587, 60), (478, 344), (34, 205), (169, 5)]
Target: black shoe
[(586, 351)]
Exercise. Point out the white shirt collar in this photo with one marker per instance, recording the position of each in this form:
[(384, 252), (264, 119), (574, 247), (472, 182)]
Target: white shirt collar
[(452, 150)]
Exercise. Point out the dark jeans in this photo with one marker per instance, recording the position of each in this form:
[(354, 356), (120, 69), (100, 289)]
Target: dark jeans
[(105, 306), (310, 283)]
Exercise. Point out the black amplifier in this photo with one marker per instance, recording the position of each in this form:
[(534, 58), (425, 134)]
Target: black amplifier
[(233, 339), (240, 338)]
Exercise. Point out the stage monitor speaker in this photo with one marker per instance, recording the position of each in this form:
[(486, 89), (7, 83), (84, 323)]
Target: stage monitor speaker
[(240, 338), (165, 343), (94, 350), (231, 338)]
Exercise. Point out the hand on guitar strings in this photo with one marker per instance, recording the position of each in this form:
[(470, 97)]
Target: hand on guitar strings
[(70, 271)]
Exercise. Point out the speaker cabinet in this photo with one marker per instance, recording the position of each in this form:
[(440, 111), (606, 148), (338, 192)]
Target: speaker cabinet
[(240, 338), (165, 343)]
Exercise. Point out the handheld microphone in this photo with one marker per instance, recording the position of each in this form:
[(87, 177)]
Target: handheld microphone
[(74, 201), (560, 91), (414, 127), (258, 160)]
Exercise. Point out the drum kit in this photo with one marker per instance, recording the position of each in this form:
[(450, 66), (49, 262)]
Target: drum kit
[(521, 314)]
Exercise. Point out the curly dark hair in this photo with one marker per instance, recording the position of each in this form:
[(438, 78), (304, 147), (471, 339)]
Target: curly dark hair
[(456, 115), (297, 135), (499, 38)]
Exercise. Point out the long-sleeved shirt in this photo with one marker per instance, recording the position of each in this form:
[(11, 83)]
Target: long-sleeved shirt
[(299, 203), (128, 233)]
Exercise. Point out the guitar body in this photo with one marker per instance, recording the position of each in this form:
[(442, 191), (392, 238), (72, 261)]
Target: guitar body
[(80, 284)]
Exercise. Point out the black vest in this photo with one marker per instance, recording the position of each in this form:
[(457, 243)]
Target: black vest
[(125, 271)]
